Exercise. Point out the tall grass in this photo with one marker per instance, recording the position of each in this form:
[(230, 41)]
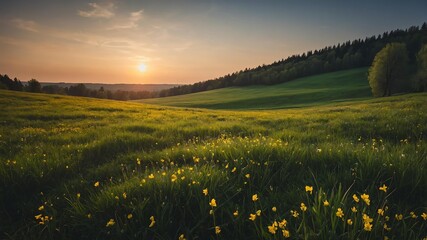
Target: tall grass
[(75, 168)]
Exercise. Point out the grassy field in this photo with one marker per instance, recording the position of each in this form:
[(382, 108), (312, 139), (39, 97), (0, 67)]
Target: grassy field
[(309, 91), (78, 168)]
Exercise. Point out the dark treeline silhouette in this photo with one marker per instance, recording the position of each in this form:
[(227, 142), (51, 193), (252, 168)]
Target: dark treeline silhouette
[(358, 53), (75, 90), (7, 83)]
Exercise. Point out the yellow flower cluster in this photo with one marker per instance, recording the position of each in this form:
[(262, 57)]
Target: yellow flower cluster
[(42, 219), (367, 222), (365, 198), (276, 225), (303, 207)]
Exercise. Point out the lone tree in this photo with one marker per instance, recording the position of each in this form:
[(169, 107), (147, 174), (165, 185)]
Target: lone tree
[(421, 78), (388, 68)]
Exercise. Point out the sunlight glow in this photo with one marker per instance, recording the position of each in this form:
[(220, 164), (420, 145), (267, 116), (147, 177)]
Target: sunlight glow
[(142, 67)]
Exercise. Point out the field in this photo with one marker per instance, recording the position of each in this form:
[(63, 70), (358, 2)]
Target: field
[(348, 85), (80, 168)]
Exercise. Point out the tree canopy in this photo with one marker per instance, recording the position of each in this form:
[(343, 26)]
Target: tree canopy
[(389, 67)]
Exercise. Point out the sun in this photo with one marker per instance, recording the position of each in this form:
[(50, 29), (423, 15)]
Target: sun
[(142, 67)]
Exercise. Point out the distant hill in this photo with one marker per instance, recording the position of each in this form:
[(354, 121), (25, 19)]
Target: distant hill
[(348, 55), (116, 87), (320, 89)]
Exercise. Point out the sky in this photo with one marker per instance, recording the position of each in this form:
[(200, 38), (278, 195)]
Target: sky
[(179, 41)]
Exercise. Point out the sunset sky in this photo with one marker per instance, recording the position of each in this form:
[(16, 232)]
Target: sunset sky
[(179, 41)]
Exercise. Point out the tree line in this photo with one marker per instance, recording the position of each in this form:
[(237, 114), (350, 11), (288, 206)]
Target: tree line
[(75, 90), (347, 55)]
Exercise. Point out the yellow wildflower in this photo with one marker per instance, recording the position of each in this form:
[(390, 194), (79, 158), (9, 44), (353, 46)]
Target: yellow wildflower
[(286, 233), (398, 217), (205, 191), (383, 188), (294, 214), (233, 170), (283, 223), (78, 195), (367, 227), (252, 217), (110, 223), (349, 222), (273, 228), (236, 213), (151, 176), (41, 208), (211, 212), (365, 198), (258, 213), (413, 215), (173, 178), (217, 230), (213, 202), (181, 237), (124, 195), (424, 216), (130, 216), (339, 213), (380, 211), (96, 184), (255, 197), (309, 189), (325, 203), (152, 221), (274, 209), (386, 227), (89, 215), (247, 175), (366, 218), (355, 198), (303, 207), (38, 216), (354, 209)]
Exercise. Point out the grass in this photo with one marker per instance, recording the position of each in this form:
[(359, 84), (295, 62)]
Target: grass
[(309, 91), (80, 168)]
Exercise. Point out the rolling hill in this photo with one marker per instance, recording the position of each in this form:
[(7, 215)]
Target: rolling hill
[(308, 91)]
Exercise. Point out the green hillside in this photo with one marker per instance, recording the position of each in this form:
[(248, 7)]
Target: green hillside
[(309, 91), (82, 168)]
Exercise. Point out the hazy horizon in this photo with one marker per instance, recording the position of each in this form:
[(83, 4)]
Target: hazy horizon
[(171, 42)]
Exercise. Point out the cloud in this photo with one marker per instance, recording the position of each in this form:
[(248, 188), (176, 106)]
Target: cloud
[(131, 22), (25, 25), (98, 11)]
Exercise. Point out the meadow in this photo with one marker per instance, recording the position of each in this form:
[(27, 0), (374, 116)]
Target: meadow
[(81, 168), (321, 89)]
